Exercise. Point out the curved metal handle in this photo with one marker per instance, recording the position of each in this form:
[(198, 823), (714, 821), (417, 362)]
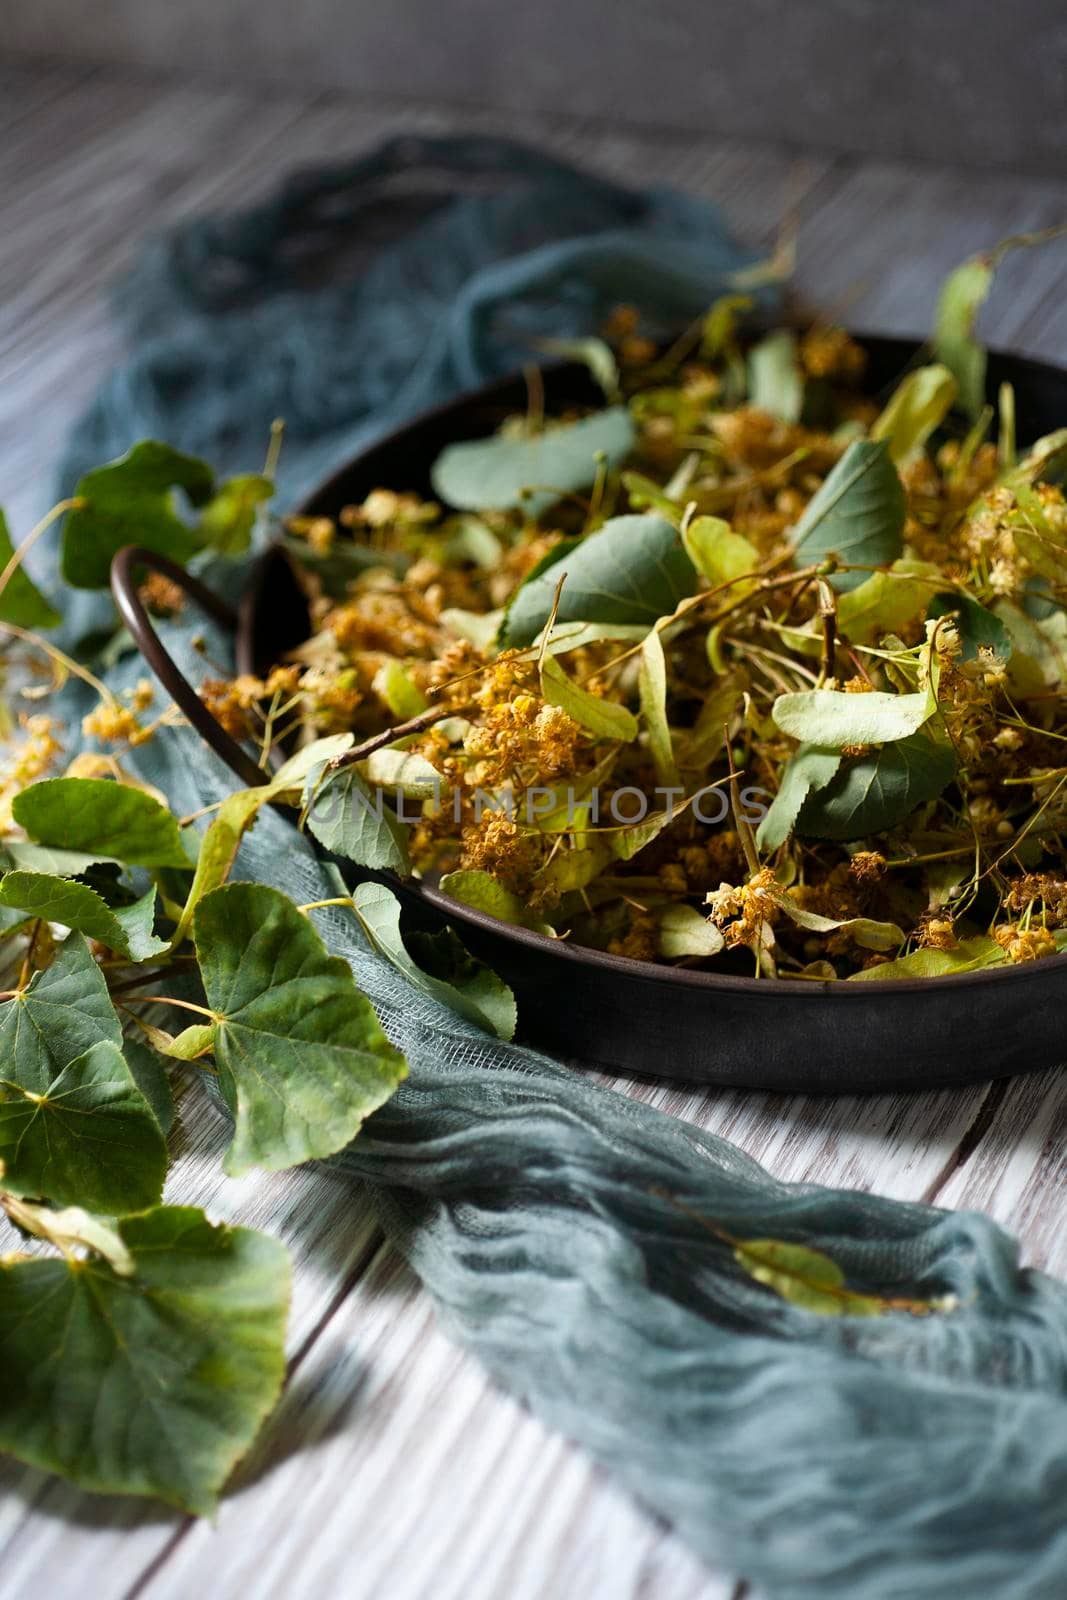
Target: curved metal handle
[(162, 664)]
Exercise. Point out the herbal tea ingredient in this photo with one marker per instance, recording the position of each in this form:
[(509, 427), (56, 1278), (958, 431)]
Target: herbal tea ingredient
[(744, 669), (774, 688)]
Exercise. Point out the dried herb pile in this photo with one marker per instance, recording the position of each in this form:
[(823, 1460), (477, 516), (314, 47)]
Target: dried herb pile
[(749, 669)]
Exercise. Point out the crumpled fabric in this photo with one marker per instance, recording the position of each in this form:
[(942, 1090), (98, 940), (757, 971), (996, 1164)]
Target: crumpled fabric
[(558, 1224)]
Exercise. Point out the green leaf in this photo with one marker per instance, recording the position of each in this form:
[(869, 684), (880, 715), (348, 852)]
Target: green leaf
[(89, 1138), (718, 553), (879, 790), (454, 977), (481, 891), (592, 353), (98, 815), (886, 601), (127, 930), (151, 1383), (407, 773), (978, 628), (864, 931), (652, 688), (21, 602), (634, 569), (347, 817), (57, 863), (809, 769), (775, 379), (399, 690), (493, 474), (801, 1275), (970, 955), (605, 718), (856, 514), (684, 932), (918, 405), (227, 521), (299, 1049), (962, 296), (150, 1076), (61, 1014), (131, 501), (831, 718)]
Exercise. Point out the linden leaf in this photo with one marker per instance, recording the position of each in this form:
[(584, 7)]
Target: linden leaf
[(718, 553), (886, 601), (978, 628), (61, 1014), (634, 569), (684, 932), (879, 790), (652, 688), (494, 474), (447, 971), (481, 891), (831, 719), (864, 931), (131, 501), (21, 602), (404, 772), (605, 718), (809, 769), (299, 1050), (127, 929), (775, 378), (90, 1138), (856, 514), (918, 405), (962, 296), (97, 814), (227, 521), (150, 1076), (805, 1277), (970, 955), (153, 1382), (352, 821)]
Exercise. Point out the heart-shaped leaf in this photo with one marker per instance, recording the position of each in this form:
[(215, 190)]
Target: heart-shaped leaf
[(98, 815), (131, 501), (495, 474), (856, 514), (154, 1381), (61, 1014), (879, 790), (482, 892), (634, 569), (299, 1049), (21, 602), (127, 929), (447, 970), (89, 1138), (831, 719)]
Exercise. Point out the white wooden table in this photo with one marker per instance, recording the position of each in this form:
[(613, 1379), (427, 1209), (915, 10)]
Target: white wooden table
[(393, 1468)]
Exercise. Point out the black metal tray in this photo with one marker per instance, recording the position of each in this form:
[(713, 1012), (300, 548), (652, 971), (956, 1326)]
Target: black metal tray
[(609, 1011)]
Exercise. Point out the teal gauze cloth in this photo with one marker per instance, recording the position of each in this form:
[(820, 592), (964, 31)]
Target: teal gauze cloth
[(557, 1223)]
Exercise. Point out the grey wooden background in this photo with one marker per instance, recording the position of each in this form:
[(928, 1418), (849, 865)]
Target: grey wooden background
[(393, 1470), (972, 81)]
